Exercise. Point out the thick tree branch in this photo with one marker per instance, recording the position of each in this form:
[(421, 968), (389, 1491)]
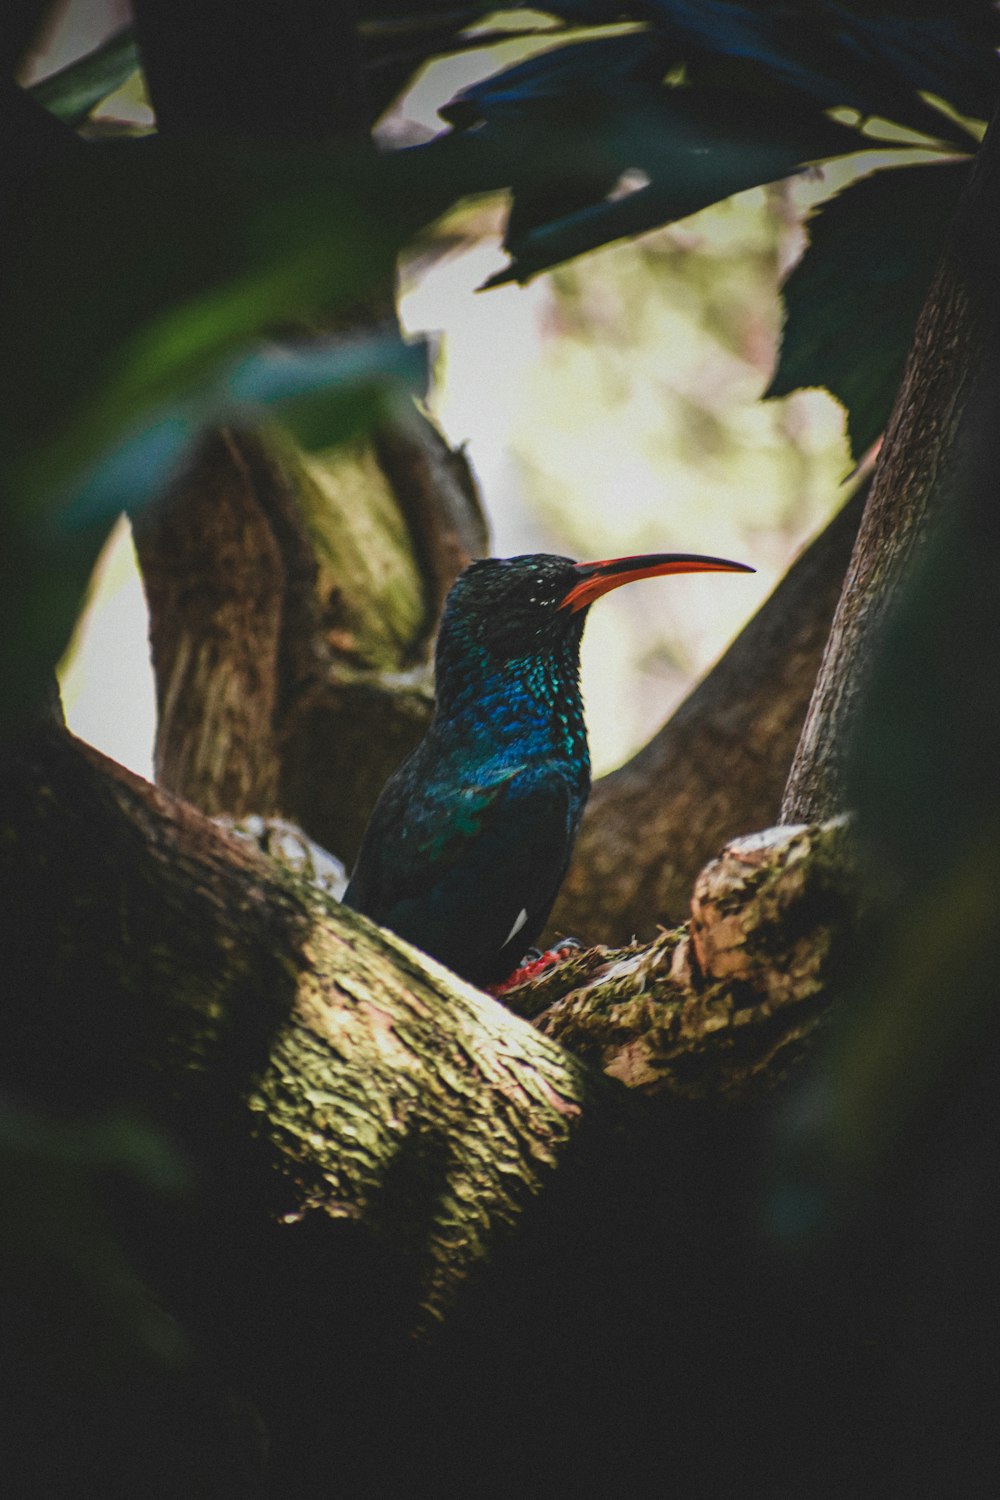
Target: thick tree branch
[(284, 1018), (724, 1006), (198, 979)]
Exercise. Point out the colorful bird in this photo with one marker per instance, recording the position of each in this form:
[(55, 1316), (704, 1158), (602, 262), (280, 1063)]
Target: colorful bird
[(470, 839)]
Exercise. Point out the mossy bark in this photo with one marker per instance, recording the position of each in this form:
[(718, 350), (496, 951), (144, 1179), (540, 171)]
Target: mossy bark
[(196, 977), (195, 973)]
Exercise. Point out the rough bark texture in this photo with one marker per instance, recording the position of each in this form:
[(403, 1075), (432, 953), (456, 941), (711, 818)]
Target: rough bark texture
[(293, 601), (195, 977), (282, 1018), (256, 976), (914, 478), (716, 769), (723, 1007)]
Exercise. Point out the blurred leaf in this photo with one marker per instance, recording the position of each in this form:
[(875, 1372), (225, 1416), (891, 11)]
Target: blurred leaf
[(74, 91), (852, 301), (109, 1143), (921, 1026), (324, 392), (22, 20), (927, 795), (145, 265), (924, 768), (924, 781)]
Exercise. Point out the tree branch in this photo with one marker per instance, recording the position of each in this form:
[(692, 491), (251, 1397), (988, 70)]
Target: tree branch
[(285, 1019), (367, 1131), (724, 1006), (200, 979)]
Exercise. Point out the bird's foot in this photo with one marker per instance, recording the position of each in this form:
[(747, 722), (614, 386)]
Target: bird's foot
[(534, 963)]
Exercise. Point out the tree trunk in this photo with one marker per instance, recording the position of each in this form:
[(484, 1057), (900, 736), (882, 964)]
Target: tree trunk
[(914, 477)]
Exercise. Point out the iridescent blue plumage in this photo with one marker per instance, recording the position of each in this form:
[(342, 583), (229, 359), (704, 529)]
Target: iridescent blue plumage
[(470, 839)]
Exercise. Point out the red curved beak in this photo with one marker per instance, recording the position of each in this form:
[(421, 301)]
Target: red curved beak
[(597, 578)]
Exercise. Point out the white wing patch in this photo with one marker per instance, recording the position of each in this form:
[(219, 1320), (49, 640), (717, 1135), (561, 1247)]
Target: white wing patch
[(519, 922)]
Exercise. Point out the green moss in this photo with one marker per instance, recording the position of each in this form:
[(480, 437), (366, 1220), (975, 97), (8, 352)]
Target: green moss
[(369, 584)]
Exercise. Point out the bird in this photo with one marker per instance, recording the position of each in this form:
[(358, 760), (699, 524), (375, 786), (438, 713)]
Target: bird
[(470, 839)]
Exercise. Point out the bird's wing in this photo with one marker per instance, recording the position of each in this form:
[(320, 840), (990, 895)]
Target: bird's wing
[(471, 873)]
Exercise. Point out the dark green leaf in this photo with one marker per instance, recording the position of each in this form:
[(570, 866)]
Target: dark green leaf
[(562, 79), (941, 55), (852, 302), (696, 146), (74, 1311), (844, 55)]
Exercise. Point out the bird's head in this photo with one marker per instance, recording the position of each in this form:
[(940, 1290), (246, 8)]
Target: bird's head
[(513, 605), (503, 609)]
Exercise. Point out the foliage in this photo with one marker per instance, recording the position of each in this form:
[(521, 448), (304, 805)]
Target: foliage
[(709, 98), (872, 254)]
